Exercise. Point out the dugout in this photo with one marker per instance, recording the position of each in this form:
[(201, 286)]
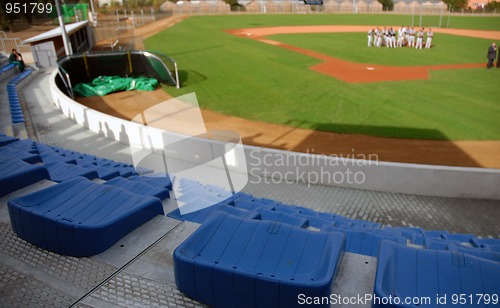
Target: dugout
[(84, 67), (47, 47)]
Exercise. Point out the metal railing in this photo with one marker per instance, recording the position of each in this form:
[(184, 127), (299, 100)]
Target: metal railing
[(66, 81), (168, 63)]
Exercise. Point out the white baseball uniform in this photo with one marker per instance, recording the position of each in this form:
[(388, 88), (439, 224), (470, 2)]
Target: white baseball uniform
[(429, 39), (411, 38), (420, 38)]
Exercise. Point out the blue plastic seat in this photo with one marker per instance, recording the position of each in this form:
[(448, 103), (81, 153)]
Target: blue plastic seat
[(164, 182), (104, 173), (282, 217), (79, 217), (60, 172), (484, 253), (198, 216), (16, 174), (229, 209), (139, 188), (235, 262), (50, 158), (27, 156), (249, 205), (408, 272), (5, 140)]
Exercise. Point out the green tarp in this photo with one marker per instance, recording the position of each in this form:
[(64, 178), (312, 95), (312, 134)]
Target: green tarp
[(104, 85)]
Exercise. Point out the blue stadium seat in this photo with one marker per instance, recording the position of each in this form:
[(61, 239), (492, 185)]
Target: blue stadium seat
[(4, 139), (25, 145), (16, 174), (484, 253), (160, 181), (139, 188), (365, 242), (14, 102), (50, 158), (27, 156), (282, 217), (229, 209), (60, 172), (408, 272), (104, 173), (235, 262), (250, 205), (7, 68), (79, 217)]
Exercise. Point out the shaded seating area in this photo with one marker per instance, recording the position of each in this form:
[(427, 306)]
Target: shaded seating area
[(15, 105), (79, 217), (437, 262), (16, 174)]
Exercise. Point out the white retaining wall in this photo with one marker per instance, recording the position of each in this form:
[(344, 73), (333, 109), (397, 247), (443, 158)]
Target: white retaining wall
[(278, 165)]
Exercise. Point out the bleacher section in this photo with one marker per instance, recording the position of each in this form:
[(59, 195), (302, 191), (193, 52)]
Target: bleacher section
[(437, 262), (15, 106), (77, 217), (6, 68), (248, 251)]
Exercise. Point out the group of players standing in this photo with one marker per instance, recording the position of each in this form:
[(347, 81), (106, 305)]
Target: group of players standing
[(406, 36)]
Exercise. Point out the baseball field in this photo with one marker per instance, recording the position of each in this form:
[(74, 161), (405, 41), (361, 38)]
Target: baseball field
[(240, 66)]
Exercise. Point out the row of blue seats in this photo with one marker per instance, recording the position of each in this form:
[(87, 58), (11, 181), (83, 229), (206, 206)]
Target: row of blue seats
[(233, 261), (35, 161), (6, 68), (228, 262), (362, 237), (15, 106), (77, 217)]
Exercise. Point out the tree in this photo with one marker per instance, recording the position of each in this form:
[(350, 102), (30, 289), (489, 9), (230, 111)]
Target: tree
[(387, 5), (456, 4), (493, 5), (6, 19)]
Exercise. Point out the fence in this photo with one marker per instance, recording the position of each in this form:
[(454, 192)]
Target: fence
[(217, 7), (116, 32)]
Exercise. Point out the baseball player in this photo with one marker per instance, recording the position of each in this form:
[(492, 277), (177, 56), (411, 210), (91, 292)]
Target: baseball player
[(378, 35), (386, 36), (401, 36), (393, 38), (429, 39), (420, 38), (411, 37), (389, 38), (370, 37)]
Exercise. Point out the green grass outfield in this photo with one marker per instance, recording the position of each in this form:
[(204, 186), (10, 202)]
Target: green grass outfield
[(249, 79)]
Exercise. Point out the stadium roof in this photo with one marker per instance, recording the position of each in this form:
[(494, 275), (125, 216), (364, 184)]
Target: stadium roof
[(70, 28)]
